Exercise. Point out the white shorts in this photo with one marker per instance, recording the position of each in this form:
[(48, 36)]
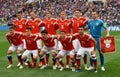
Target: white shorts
[(29, 52), (48, 49), (76, 44), (59, 47), (83, 50), (13, 47), (64, 52)]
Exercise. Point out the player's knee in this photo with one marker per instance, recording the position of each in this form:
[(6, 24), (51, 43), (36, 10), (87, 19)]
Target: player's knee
[(9, 52), (93, 57), (18, 52)]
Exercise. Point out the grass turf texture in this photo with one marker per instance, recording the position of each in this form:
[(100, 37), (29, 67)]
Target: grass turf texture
[(112, 64)]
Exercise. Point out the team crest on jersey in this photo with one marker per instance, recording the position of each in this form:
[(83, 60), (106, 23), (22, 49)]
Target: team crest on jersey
[(107, 43), (97, 24)]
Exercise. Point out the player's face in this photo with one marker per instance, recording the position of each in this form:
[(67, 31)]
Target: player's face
[(62, 34), (48, 15), (63, 15), (19, 16), (94, 15), (44, 35), (32, 15), (28, 32), (77, 13), (81, 30), (11, 31)]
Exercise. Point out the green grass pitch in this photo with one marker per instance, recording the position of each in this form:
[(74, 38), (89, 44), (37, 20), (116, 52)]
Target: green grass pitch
[(112, 64)]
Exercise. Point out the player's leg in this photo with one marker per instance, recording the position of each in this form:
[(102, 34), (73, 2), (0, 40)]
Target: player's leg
[(19, 55), (93, 57), (79, 54), (85, 61), (100, 54), (35, 55), (9, 55), (59, 58), (47, 58), (41, 55), (72, 53), (25, 57), (54, 54)]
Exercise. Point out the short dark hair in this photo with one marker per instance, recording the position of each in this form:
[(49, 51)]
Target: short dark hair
[(63, 31), (19, 12), (78, 10), (44, 31), (94, 10), (11, 27), (29, 28), (82, 27)]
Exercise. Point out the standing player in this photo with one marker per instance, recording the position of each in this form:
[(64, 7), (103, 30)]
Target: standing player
[(32, 46), (64, 24), (78, 20), (88, 44), (67, 49), (95, 25), (20, 23), (35, 24), (50, 25), (49, 45), (15, 40)]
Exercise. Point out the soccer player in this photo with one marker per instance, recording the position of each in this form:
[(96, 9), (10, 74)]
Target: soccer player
[(64, 24), (67, 49), (35, 24), (15, 40), (32, 46), (20, 23), (88, 44), (50, 25), (78, 20), (49, 45), (95, 25)]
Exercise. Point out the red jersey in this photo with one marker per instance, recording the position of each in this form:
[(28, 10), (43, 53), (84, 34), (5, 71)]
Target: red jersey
[(31, 41), (35, 25), (64, 25), (15, 39), (49, 42), (82, 21), (67, 43), (20, 25), (85, 40), (50, 25)]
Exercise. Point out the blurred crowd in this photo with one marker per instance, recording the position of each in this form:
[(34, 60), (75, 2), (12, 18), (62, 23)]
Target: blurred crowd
[(108, 11)]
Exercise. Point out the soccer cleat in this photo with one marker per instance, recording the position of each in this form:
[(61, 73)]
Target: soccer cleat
[(86, 68), (102, 68), (54, 67), (67, 66), (90, 68), (18, 64), (73, 69), (78, 70), (9, 66), (21, 67), (47, 65), (95, 71), (61, 68), (43, 67), (26, 63)]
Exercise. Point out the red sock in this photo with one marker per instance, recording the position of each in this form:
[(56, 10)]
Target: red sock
[(73, 64), (78, 63), (85, 59), (10, 59), (47, 58), (54, 61), (29, 64), (67, 60), (61, 63), (95, 64)]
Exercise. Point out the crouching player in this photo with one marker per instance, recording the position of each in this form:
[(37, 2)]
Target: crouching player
[(32, 46), (15, 40), (49, 45), (67, 49), (88, 44)]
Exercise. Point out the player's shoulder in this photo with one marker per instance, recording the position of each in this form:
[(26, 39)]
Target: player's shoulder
[(99, 20)]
